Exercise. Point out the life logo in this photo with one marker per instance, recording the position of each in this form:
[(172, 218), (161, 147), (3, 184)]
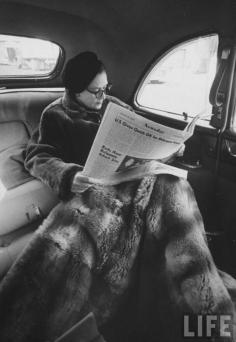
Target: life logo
[(207, 326)]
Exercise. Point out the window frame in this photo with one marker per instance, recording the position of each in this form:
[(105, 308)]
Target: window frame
[(231, 124), (205, 122), (33, 80)]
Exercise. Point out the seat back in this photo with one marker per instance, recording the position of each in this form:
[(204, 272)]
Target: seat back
[(20, 112), (26, 105)]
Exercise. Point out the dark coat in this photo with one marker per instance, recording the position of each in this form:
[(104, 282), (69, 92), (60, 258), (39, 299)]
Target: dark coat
[(60, 146)]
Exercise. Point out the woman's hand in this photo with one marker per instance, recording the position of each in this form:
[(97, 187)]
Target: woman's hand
[(80, 178), (119, 102), (171, 158), (180, 151), (80, 183)]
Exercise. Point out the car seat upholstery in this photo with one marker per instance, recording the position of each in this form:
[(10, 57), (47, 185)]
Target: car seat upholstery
[(14, 137), (23, 199)]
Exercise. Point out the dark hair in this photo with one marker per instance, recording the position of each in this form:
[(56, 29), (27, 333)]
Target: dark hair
[(80, 71)]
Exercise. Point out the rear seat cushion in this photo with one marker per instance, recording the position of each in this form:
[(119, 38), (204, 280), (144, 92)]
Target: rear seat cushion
[(28, 202), (14, 137)]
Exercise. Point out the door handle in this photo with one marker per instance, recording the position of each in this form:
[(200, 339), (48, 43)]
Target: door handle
[(195, 164), (229, 149)]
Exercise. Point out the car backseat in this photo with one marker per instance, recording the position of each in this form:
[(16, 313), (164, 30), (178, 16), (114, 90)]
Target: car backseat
[(24, 200)]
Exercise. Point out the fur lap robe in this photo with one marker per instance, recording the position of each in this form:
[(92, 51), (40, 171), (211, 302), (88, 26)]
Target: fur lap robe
[(135, 255)]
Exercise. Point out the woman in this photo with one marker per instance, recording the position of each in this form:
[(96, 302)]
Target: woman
[(134, 254), (59, 148)]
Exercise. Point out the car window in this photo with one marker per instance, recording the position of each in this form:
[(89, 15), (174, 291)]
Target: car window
[(180, 81), (27, 57)]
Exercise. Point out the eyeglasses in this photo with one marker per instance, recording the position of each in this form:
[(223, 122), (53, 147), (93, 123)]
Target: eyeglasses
[(99, 93)]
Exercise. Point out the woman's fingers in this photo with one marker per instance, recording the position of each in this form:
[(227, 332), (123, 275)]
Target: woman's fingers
[(80, 178)]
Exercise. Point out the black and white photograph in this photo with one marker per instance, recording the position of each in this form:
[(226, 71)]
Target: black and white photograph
[(118, 171)]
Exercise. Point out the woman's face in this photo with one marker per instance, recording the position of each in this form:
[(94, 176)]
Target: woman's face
[(93, 96)]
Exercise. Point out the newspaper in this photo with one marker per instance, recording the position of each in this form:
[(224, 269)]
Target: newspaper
[(128, 146)]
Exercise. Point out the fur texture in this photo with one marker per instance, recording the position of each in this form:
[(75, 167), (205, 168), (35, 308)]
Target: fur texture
[(135, 255)]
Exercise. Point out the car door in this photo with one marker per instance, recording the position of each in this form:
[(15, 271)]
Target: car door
[(180, 84), (223, 119)]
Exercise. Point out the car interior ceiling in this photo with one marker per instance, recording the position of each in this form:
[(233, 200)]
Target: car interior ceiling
[(110, 27), (128, 36)]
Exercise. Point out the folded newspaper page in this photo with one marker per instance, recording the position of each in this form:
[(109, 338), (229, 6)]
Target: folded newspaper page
[(128, 146)]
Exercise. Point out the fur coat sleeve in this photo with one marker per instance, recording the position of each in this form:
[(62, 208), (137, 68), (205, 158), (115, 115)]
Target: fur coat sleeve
[(47, 153), (135, 255)]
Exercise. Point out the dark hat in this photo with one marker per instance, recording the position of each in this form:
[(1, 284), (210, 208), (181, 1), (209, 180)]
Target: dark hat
[(81, 70)]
